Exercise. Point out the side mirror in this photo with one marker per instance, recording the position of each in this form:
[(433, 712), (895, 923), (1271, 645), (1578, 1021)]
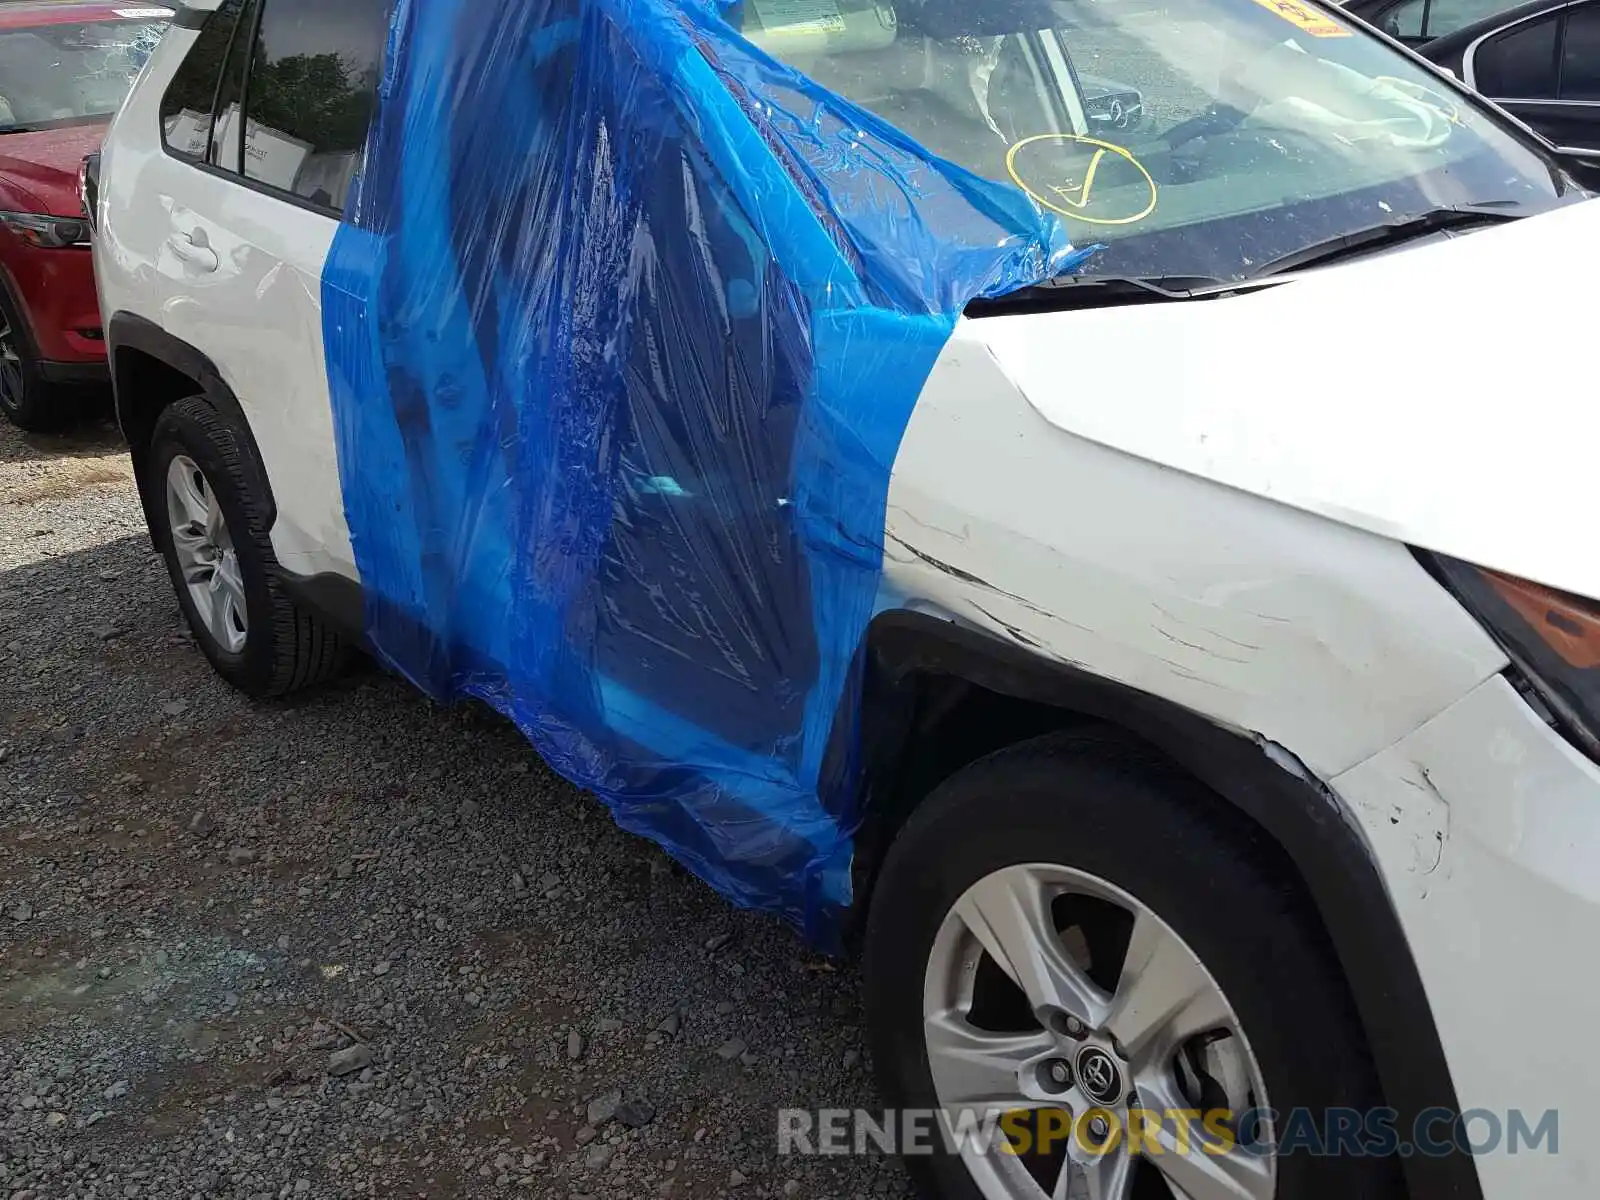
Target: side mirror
[(89, 187)]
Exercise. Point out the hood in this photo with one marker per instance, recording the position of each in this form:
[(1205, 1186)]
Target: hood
[(1441, 395), (39, 171)]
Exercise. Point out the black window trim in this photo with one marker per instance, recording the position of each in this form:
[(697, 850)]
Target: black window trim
[(239, 178), (216, 87), (1469, 57), (1427, 11), (252, 7)]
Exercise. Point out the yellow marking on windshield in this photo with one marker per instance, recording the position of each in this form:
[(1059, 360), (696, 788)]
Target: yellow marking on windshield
[(1082, 199), (1077, 199), (1314, 21)]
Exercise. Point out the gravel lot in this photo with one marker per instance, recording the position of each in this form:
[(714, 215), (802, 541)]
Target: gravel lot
[(353, 944)]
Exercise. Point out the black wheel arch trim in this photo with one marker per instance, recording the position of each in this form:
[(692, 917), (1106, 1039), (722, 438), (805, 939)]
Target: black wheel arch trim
[(1263, 780), (337, 599), (127, 330)]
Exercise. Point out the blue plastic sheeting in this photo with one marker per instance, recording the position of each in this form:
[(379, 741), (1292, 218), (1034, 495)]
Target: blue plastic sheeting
[(624, 327)]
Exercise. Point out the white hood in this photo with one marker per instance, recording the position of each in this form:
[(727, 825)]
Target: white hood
[(1447, 395)]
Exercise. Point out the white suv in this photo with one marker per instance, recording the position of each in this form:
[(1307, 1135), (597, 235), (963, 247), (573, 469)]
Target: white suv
[(1091, 632)]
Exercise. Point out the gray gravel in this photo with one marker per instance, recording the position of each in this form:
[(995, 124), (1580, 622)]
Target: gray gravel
[(352, 944)]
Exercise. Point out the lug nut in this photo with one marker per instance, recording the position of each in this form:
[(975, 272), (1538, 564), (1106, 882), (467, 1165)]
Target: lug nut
[(1099, 1129), (1068, 1025), (1055, 1075)]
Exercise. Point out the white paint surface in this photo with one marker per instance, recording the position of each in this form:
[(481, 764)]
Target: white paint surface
[(1435, 396), (1487, 825), (257, 316)]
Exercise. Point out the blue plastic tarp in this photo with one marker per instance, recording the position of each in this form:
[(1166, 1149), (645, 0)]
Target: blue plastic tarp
[(624, 326)]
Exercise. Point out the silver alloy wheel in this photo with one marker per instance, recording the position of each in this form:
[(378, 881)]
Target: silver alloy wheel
[(206, 557), (1161, 1037), (11, 381)]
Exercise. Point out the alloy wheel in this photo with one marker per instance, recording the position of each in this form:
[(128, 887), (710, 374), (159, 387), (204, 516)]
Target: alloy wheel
[(1050, 990), (205, 554), (11, 381)]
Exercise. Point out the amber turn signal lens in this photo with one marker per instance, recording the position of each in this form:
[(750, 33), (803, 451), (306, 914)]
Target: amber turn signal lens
[(1569, 625), (1551, 637)]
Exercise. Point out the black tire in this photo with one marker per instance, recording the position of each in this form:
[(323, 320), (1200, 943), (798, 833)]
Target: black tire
[(285, 648), (1089, 801), (27, 399)]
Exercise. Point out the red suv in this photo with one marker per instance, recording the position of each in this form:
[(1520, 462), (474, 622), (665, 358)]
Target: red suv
[(65, 66)]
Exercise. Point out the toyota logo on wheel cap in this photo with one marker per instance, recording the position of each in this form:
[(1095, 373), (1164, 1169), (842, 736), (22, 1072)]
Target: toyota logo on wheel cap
[(1098, 1076)]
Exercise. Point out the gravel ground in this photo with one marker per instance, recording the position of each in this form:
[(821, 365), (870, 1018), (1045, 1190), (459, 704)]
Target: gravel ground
[(352, 944)]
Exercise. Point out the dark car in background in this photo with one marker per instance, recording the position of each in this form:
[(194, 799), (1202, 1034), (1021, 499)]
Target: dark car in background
[(1418, 22), (1539, 61), (1111, 106), (65, 66)]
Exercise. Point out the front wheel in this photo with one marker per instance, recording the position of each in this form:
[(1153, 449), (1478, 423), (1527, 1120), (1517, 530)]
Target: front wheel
[(1092, 965), (27, 399)]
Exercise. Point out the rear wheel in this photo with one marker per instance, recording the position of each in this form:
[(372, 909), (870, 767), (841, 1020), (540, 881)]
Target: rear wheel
[(211, 529), (1073, 937)]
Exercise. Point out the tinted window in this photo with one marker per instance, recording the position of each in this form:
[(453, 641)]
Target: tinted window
[(1447, 16), (1580, 54), (1520, 64), (312, 90), (1404, 20), (186, 107)]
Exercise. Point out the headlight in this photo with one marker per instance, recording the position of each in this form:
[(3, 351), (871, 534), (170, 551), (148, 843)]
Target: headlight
[(1553, 637), (53, 232)]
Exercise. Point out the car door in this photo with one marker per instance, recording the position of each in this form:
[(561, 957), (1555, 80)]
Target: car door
[(254, 183), (1546, 70)]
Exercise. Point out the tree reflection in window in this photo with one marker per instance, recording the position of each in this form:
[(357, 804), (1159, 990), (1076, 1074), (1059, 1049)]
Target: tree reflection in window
[(309, 110)]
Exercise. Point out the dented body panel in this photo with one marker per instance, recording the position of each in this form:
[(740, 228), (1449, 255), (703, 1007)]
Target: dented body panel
[(1330, 640), (1311, 634), (1485, 821)]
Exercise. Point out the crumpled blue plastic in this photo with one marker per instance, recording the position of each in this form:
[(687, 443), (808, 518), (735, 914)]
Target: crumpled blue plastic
[(624, 325)]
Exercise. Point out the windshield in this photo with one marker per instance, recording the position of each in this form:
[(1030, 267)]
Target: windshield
[(1191, 137), (71, 73)]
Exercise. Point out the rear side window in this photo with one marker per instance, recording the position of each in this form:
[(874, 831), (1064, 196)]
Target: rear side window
[(1519, 64), (188, 104), (1580, 55), (311, 94)]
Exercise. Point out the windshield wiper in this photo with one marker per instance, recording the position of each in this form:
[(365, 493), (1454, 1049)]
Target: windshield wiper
[(1105, 291), (1496, 212), (1164, 287)]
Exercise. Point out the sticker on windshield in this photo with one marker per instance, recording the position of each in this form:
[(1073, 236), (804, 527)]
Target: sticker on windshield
[(1083, 178), (799, 16), (134, 14), (1313, 21)]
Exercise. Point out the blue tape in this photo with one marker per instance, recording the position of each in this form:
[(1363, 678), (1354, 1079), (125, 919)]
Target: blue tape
[(624, 326)]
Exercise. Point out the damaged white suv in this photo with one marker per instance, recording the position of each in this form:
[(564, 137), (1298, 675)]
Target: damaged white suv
[(1132, 575)]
